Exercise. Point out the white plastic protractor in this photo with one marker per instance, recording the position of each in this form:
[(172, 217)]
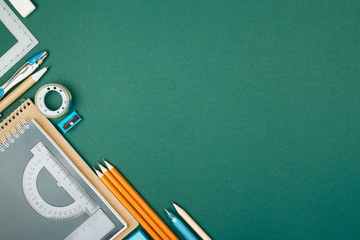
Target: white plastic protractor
[(95, 227), (40, 100), (44, 159)]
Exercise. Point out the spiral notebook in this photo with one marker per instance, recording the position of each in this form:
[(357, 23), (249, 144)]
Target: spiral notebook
[(48, 190)]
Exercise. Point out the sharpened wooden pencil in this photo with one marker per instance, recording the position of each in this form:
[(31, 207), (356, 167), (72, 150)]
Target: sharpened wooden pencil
[(141, 201), (133, 202), (191, 222), (127, 205)]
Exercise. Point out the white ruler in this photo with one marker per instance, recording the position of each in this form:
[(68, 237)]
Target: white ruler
[(25, 40)]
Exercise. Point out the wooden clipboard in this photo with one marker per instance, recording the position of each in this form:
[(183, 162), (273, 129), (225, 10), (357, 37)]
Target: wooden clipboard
[(28, 110)]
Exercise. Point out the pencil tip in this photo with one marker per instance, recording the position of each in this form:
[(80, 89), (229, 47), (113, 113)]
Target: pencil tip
[(177, 207), (108, 165), (98, 173), (102, 168)]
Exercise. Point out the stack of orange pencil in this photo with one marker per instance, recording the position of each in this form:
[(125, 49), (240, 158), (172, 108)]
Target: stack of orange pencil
[(133, 202)]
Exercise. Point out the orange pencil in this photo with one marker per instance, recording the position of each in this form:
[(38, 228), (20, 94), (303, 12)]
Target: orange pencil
[(127, 205), (141, 201), (133, 202)]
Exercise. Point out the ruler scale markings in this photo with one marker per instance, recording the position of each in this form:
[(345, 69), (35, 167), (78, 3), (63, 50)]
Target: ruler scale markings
[(95, 227), (26, 41), (44, 159)]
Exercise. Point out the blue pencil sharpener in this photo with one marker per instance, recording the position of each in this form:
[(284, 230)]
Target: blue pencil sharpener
[(69, 122)]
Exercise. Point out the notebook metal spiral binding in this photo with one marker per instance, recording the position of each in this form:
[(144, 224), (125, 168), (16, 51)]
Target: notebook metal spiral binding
[(13, 134), (16, 110), (11, 109)]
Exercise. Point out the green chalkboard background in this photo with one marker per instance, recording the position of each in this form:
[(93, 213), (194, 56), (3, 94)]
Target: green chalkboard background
[(7, 40), (245, 113)]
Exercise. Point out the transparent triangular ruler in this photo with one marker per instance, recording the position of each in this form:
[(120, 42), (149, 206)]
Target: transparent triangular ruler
[(25, 40)]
